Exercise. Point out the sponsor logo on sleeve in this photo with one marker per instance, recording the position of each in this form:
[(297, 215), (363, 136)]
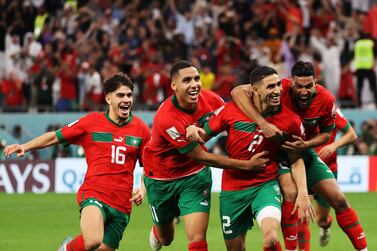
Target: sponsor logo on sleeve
[(173, 133)]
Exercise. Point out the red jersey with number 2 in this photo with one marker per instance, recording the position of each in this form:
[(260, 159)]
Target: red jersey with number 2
[(245, 139)]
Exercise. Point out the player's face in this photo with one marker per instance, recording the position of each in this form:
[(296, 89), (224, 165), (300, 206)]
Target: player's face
[(186, 86), (303, 89), (120, 103), (270, 89)]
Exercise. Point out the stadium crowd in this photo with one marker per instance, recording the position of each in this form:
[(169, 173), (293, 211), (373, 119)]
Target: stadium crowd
[(54, 54)]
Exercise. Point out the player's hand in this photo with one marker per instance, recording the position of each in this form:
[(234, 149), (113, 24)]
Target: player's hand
[(299, 144), (195, 134), (326, 151), (270, 131), (14, 148), (138, 196), (304, 208), (258, 162)]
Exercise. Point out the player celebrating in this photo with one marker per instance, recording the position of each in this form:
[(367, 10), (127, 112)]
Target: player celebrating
[(316, 107), (245, 194), (327, 153), (113, 141), (177, 180)]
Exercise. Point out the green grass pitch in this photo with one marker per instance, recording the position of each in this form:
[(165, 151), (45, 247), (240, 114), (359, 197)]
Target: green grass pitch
[(40, 222)]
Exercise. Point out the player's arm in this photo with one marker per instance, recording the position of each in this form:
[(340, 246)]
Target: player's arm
[(196, 134), (349, 136), (242, 97), (45, 140), (139, 193), (302, 204), (257, 163), (301, 144)]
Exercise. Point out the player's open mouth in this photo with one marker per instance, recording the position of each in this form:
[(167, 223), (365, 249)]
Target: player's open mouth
[(193, 94), (124, 109)]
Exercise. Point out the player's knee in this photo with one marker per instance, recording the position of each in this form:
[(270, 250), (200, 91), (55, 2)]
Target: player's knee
[(289, 193), (339, 202), (197, 237), (322, 221), (270, 237), (92, 243), (166, 240)]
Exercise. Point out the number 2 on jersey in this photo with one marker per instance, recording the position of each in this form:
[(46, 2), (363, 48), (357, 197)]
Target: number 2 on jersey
[(118, 155), (257, 140)]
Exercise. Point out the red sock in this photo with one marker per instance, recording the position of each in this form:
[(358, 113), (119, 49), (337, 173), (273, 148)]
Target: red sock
[(275, 247), (155, 232), (303, 236), (349, 223), (329, 220), (198, 246), (77, 244), (289, 225)]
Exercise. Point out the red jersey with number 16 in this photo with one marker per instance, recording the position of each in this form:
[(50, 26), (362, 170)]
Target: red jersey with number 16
[(245, 139), (165, 156), (111, 153)]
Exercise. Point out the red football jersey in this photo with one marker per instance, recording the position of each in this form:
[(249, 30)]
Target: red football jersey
[(111, 153), (246, 139), (318, 116), (341, 124), (165, 156)]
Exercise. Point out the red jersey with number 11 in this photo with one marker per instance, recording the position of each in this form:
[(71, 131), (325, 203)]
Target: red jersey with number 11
[(111, 153), (165, 156)]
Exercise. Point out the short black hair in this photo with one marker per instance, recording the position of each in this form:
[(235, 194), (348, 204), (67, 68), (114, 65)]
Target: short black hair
[(115, 81), (302, 69), (259, 73), (178, 66)]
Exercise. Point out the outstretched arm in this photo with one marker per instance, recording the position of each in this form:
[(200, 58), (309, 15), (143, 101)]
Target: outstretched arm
[(347, 138), (257, 163), (242, 97), (45, 140), (301, 144)]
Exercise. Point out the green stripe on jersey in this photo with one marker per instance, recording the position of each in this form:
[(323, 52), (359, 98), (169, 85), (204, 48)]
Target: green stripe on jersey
[(102, 136), (245, 126), (133, 141)]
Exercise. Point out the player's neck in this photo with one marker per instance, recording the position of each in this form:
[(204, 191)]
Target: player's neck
[(118, 120)]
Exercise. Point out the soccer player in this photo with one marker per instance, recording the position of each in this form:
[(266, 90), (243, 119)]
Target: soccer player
[(177, 178), (327, 153), (316, 107), (113, 141), (246, 195)]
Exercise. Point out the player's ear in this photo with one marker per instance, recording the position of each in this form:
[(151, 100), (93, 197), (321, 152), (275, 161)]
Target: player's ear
[(173, 85), (108, 99)]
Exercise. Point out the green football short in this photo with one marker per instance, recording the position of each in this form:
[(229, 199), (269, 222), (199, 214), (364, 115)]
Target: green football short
[(187, 195), (238, 208), (316, 169), (321, 200), (115, 221)]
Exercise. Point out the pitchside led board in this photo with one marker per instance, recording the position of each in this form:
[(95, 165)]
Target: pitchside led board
[(65, 175)]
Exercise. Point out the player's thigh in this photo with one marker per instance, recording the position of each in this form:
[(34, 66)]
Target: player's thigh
[(288, 187), (236, 244), (235, 212), (162, 200), (115, 225), (92, 219), (195, 193), (316, 169), (322, 202), (331, 192), (267, 202)]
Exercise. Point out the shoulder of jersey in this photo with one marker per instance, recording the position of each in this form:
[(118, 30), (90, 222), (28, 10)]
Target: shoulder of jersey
[(323, 91)]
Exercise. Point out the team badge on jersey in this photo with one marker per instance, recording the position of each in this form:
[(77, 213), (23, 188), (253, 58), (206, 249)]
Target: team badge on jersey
[(173, 133)]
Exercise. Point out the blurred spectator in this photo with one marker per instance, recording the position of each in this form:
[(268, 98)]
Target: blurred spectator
[(365, 52)]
